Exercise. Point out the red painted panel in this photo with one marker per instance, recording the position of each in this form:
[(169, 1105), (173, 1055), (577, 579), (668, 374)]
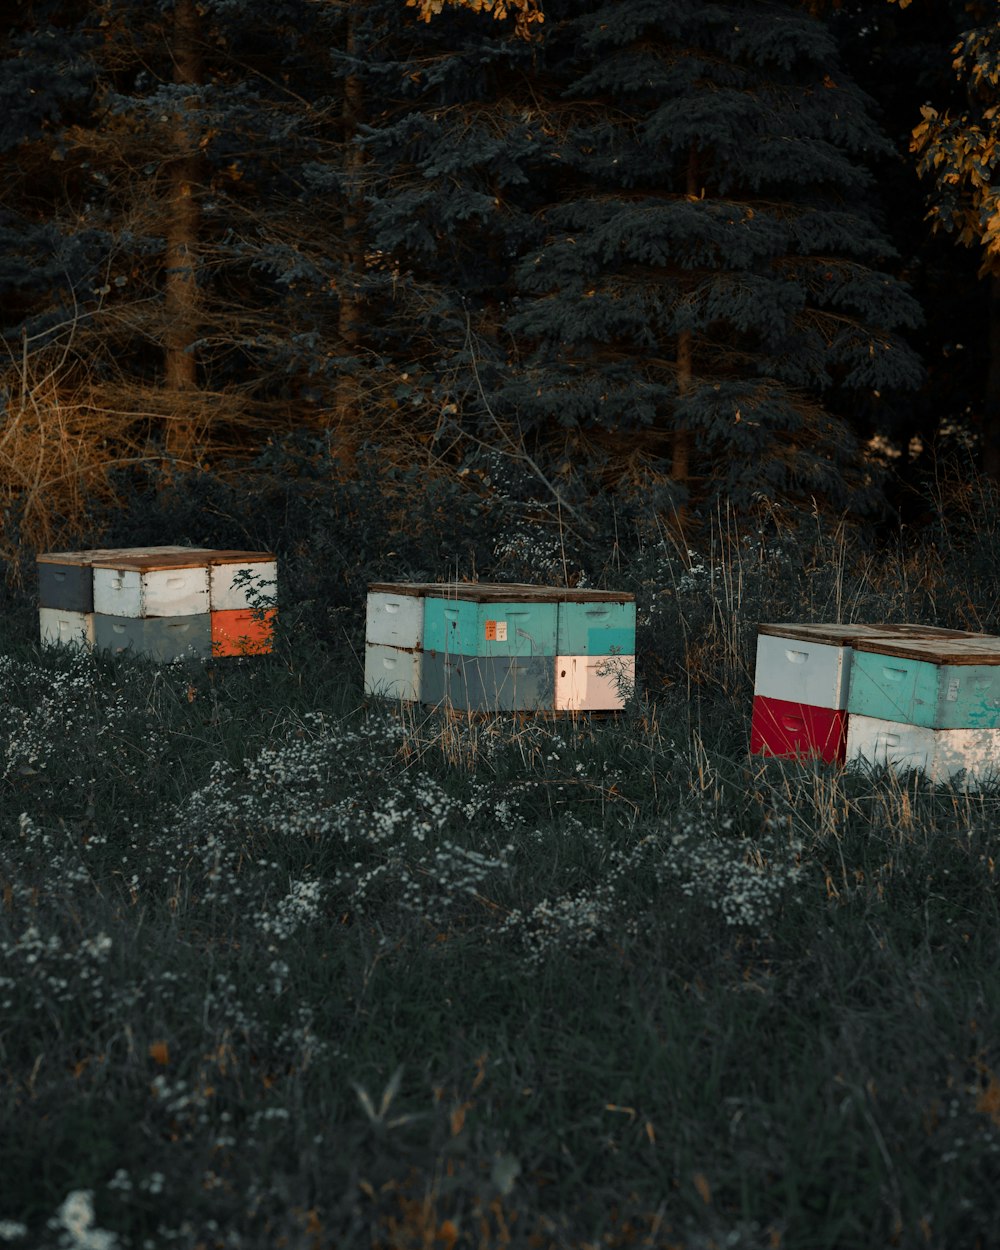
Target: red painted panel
[(236, 632), (797, 729)]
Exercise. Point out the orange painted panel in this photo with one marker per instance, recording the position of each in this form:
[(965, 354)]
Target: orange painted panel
[(236, 632)]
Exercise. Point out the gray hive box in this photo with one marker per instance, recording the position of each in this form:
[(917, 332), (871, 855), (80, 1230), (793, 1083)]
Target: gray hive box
[(163, 638), (489, 683)]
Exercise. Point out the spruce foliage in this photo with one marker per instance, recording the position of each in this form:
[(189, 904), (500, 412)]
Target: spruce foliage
[(707, 279), (637, 242)]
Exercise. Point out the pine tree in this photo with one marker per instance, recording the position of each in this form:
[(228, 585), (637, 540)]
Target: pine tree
[(452, 168), (207, 305), (46, 77), (705, 284)]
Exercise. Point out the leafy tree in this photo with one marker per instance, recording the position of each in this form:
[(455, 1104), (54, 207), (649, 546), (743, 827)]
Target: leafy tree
[(525, 12), (958, 150)]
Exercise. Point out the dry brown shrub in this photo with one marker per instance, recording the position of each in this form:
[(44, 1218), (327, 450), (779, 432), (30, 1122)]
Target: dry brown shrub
[(59, 443)]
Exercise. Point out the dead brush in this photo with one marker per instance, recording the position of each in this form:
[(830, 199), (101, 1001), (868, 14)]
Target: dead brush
[(59, 447), (467, 740)]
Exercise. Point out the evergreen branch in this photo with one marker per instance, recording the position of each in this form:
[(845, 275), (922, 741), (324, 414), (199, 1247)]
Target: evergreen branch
[(517, 452)]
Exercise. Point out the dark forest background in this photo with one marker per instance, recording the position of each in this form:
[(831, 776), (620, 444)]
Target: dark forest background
[(649, 253)]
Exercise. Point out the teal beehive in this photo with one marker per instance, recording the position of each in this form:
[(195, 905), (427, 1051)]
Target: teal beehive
[(499, 646), (487, 627), (934, 683)]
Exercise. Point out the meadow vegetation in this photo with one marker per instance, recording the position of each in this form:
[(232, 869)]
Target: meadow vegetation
[(282, 965)]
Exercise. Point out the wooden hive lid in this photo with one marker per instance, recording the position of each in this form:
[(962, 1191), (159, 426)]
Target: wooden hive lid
[(240, 557), (417, 589), (852, 635), (150, 560), (967, 649), (101, 555), (501, 592)]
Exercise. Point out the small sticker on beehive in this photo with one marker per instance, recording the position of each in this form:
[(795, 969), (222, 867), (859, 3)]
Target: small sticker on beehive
[(496, 631), (952, 695)]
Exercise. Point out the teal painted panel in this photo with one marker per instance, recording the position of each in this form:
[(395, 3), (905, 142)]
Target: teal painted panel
[(918, 692), (596, 628), (483, 684), (501, 629)]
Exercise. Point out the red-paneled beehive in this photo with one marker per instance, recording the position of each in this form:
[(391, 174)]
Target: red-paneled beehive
[(802, 681)]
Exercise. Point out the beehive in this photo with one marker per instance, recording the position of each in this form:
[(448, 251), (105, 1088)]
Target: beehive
[(500, 646), (802, 683), (928, 703), (163, 602)]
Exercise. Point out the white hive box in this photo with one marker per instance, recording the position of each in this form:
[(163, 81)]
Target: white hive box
[(591, 682), (225, 568), (940, 753), (393, 672), (151, 585), (394, 635), (394, 616), (798, 670), (66, 627)]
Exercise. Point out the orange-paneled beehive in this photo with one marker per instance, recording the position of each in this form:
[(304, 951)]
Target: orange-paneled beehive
[(166, 603)]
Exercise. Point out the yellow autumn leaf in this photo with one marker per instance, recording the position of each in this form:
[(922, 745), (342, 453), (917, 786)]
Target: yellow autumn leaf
[(159, 1052), (448, 1234)]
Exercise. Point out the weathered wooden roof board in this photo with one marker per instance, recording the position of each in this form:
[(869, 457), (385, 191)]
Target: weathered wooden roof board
[(192, 558), (853, 635), (238, 557), (981, 650), (95, 555), (502, 592)]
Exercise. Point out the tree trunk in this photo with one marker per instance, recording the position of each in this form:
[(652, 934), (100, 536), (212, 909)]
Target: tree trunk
[(347, 405), (991, 399), (680, 469), (181, 302)]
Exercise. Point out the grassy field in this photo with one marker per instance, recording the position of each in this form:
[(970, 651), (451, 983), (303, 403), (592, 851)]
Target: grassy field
[(281, 966)]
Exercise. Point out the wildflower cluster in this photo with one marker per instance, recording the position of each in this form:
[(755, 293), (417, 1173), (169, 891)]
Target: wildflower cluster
[(69, 708), (380, 830), (48, 956), (745, 882)]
